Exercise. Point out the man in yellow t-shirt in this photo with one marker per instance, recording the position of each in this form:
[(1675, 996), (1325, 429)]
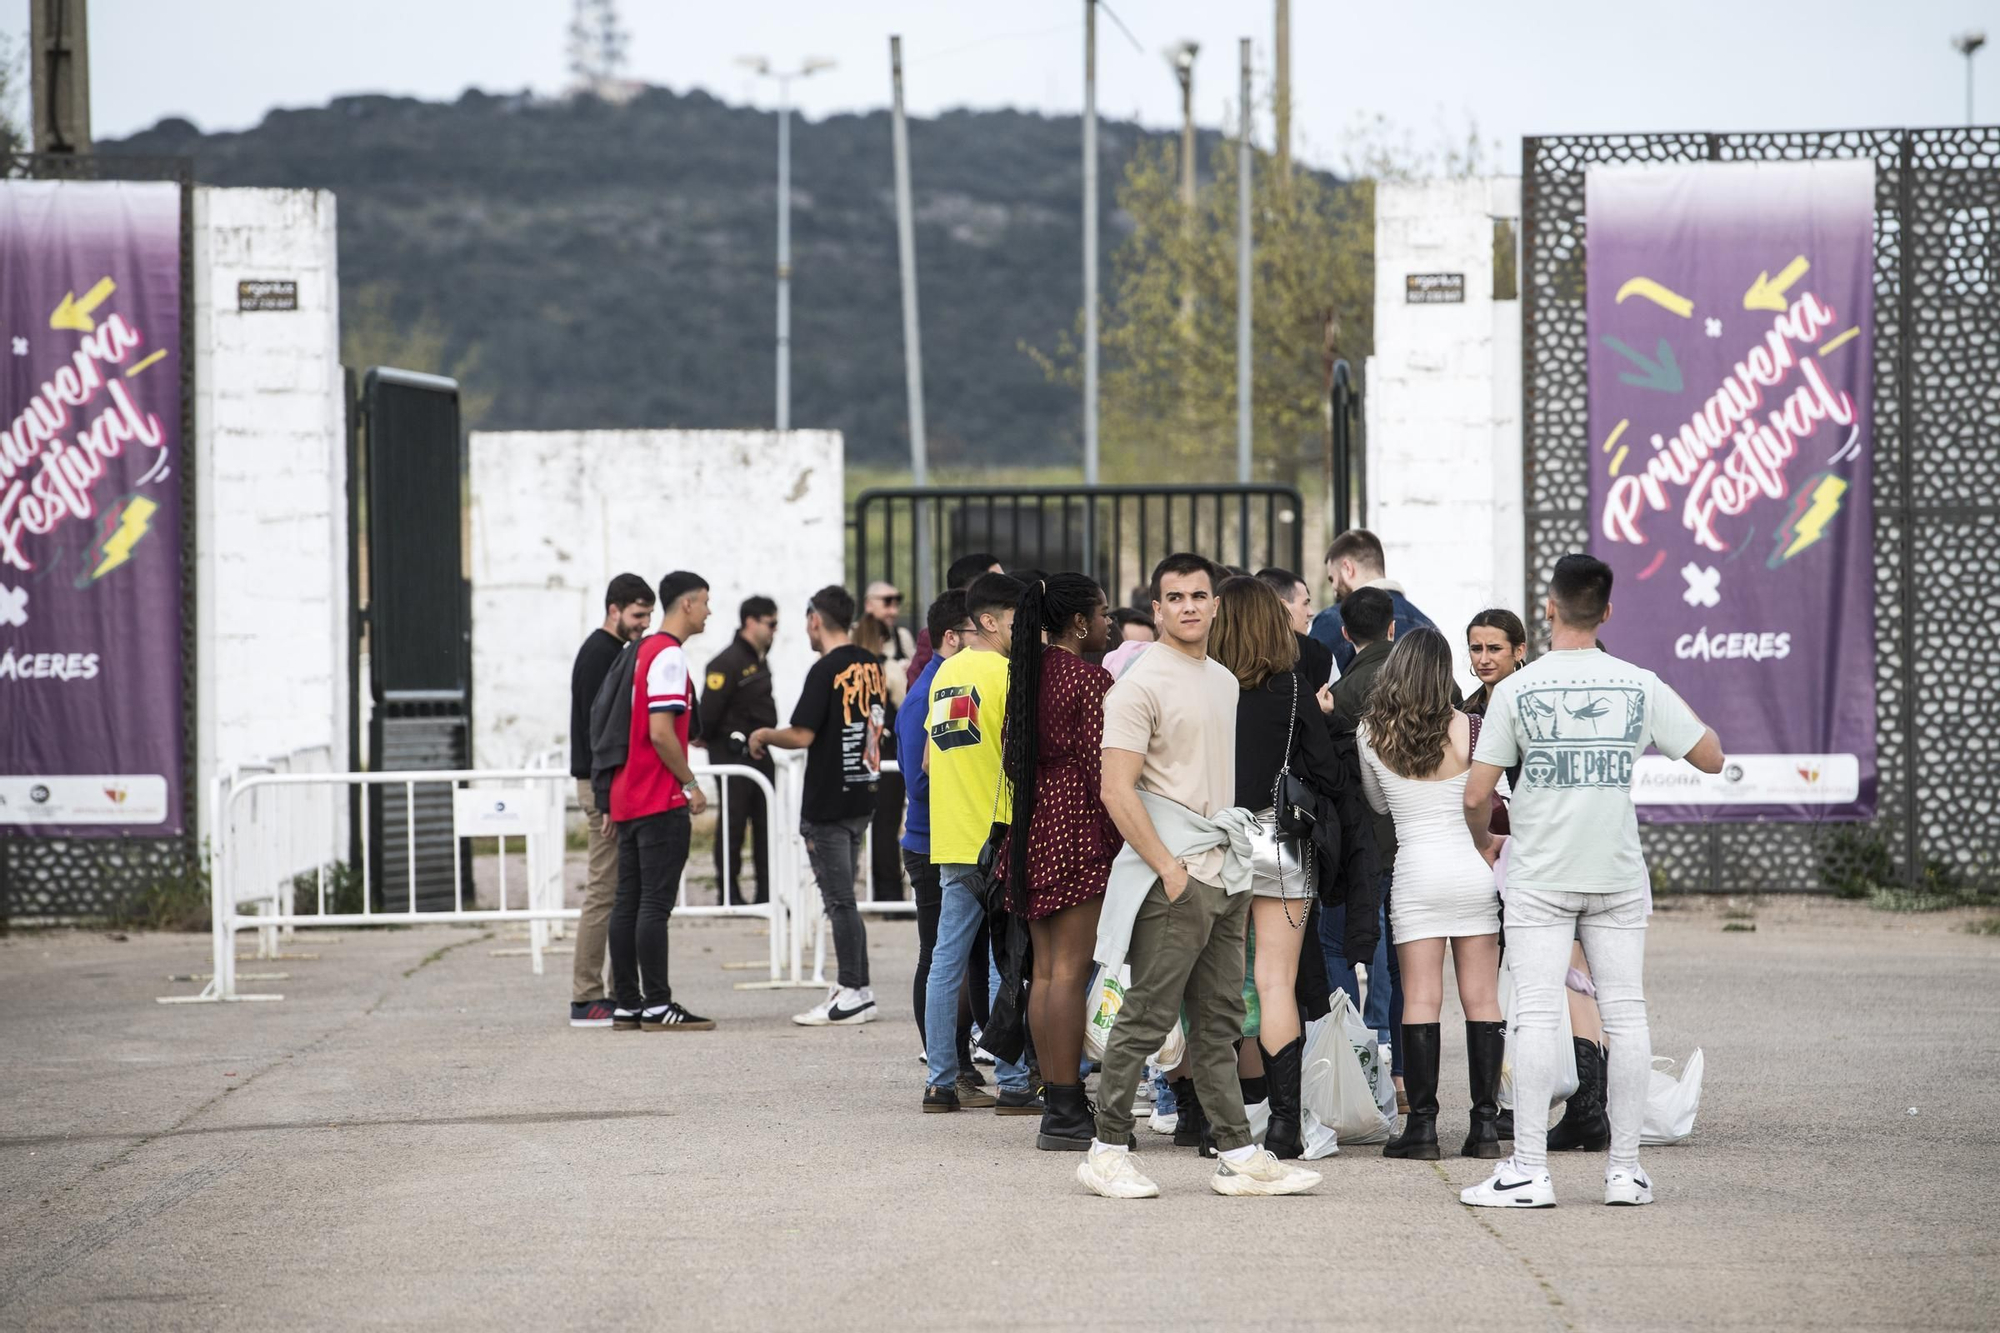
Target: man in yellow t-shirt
[(968, 706)]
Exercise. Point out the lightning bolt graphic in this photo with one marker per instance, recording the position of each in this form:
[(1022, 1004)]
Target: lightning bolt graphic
[(1809, 520), (116, 548)]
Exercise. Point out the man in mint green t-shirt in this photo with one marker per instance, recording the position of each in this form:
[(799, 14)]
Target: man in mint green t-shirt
[(1576, 721)]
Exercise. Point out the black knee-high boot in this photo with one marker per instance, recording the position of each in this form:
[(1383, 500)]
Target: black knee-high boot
[(1584, 1124), (1483, 1044), (1419, 1139)]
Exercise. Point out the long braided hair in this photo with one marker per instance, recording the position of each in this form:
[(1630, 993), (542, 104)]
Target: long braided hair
[(1049, 606)]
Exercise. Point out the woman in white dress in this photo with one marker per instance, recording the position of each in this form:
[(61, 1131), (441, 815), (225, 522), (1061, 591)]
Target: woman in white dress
[(1416, 750)]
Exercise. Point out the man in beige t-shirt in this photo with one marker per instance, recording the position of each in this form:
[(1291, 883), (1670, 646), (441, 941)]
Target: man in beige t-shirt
[(1170, 730)]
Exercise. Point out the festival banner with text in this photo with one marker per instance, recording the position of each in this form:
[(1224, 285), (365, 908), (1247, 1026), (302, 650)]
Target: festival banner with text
[(1731, 325), (90, 509)]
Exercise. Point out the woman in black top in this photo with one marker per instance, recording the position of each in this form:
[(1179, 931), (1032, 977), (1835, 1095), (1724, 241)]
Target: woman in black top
[(1253, 638)]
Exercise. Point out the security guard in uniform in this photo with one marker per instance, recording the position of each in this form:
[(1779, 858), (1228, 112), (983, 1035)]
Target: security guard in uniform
[(735, 702)]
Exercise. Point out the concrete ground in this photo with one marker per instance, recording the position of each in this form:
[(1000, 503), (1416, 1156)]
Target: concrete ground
[(414, 1137)]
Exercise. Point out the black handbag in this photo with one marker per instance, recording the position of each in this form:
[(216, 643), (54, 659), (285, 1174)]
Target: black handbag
[(1291, 798)]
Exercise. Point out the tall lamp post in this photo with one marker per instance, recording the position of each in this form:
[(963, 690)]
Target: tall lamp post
[(762, 67), (1181, 57), (1966, 43)]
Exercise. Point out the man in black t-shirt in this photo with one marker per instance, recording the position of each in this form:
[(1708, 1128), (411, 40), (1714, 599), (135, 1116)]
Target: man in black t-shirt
[(628, 610), (839, 724)]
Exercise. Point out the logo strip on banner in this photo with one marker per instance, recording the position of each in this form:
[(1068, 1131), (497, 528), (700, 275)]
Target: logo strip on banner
[(1730, 311)]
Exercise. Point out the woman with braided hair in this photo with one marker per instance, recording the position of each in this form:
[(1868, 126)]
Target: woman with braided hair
[(1061, 842)]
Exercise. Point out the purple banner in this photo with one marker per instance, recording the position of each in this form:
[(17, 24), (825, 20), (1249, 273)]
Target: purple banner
[(90, 509), (1731, 325)]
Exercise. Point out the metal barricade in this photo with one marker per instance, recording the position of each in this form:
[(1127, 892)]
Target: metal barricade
[(264, 822)]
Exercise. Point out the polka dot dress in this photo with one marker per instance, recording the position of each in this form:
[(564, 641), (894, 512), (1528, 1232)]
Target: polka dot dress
[(1071, 840)]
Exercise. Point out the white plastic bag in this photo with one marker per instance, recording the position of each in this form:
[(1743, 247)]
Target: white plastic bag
[(1320, 1140), (1102, 1003), (1565, 1056), (1333, 1085), (1671, 1102)]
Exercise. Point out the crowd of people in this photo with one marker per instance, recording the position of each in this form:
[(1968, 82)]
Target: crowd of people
[(1186, 796)]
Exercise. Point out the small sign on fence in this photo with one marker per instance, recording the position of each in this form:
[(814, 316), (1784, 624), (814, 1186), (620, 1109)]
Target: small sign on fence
[(497, 812), (1434, 289), (267, 294)]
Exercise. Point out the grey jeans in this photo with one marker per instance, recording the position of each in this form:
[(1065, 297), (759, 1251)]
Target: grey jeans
[(835, 852), (1612, 929)]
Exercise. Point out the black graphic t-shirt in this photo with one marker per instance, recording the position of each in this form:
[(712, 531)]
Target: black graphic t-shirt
[(844, 704)]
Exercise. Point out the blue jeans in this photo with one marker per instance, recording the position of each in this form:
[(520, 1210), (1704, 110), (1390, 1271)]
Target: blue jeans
[(959, 918), (1384, 1010)]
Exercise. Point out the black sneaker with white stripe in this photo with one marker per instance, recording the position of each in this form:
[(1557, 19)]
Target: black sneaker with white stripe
[(670, 1017)]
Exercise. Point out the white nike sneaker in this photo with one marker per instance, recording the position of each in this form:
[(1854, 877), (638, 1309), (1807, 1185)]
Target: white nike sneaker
[(843, 1007), (1509, 1187), (1114, 1175), (1627, 1188), (1163, 1122), (1263, 1174)]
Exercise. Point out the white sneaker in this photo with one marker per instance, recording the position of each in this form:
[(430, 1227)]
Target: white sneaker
[(1509, 1187), (1163, 1122), (1627, 1188), (842, 1007), (1114, 1175), (1263, 1174)]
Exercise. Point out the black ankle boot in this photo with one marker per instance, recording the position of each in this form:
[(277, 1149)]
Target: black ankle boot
[(1584, 1124), (1419, 1139), (1483, 1044), (1281, 1073), (1067, 1125), (1192, 1130)]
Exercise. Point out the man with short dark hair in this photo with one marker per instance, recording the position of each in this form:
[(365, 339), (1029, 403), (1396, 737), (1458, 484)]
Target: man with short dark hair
[(1576, 719), (1134, 626), (1355, 560), (966, 715), (960, 575), (1315, 658), (735, 702), (628, 610), (654, 797), (1368, 625), (838, 722), (1177, 907)]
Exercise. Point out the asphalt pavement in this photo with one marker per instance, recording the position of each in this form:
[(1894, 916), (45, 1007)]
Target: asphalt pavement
[(415, 1137)]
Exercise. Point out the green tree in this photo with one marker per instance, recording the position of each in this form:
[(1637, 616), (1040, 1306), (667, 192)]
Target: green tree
[(14, 136), (373, 333)]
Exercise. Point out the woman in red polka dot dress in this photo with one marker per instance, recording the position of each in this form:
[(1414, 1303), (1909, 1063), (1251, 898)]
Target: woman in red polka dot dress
[(1062, 843)]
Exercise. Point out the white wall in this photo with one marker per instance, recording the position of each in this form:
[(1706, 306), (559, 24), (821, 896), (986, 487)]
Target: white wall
[(556, 514), (1444, 405), (270, 460)]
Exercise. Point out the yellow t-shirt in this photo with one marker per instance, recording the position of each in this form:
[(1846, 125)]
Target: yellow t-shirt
[(968, 707)]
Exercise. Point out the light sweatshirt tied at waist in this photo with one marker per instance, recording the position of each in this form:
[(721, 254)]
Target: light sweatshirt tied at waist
[(1185, 835)]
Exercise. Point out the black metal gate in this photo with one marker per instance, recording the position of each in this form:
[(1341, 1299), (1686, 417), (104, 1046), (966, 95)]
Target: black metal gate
[(909, 536), (44, 878), (418, 621), (1937, 523)]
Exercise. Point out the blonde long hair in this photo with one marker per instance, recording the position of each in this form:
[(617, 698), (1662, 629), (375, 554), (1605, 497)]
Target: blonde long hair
[(1409, 706)]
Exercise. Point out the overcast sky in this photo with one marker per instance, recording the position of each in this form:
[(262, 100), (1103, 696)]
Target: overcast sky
[(1513, 68)]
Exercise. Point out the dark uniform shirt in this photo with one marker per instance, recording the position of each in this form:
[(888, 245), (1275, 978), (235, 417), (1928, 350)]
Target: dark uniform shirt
[(736, 697)]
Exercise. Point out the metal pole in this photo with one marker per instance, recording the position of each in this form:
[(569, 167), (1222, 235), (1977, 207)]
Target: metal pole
[(1281, 98), (784, 253), (59, 76), (1968, 86), (1244, 166), (913, 346), (1090, 242)]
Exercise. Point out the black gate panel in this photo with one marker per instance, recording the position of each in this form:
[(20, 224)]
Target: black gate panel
[(1937, 502), (909, 536), (419, 628)]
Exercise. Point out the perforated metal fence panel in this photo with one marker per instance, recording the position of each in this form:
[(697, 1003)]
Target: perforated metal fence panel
[(1937, 523)]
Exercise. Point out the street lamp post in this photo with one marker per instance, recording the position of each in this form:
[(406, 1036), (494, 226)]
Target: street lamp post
[(1966, 43), (762, 67)]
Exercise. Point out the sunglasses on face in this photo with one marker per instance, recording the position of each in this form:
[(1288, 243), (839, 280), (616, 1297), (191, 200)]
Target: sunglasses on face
[(891, 599)]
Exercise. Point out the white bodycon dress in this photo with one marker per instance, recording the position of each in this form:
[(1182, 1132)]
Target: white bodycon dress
[(1442, 886)]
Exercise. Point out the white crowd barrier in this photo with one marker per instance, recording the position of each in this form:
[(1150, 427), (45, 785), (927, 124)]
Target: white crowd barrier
[(279, 828)]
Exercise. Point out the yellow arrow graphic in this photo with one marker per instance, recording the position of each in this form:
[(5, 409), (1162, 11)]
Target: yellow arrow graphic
[(75, 314), (1666, 299), (1768, 293)]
